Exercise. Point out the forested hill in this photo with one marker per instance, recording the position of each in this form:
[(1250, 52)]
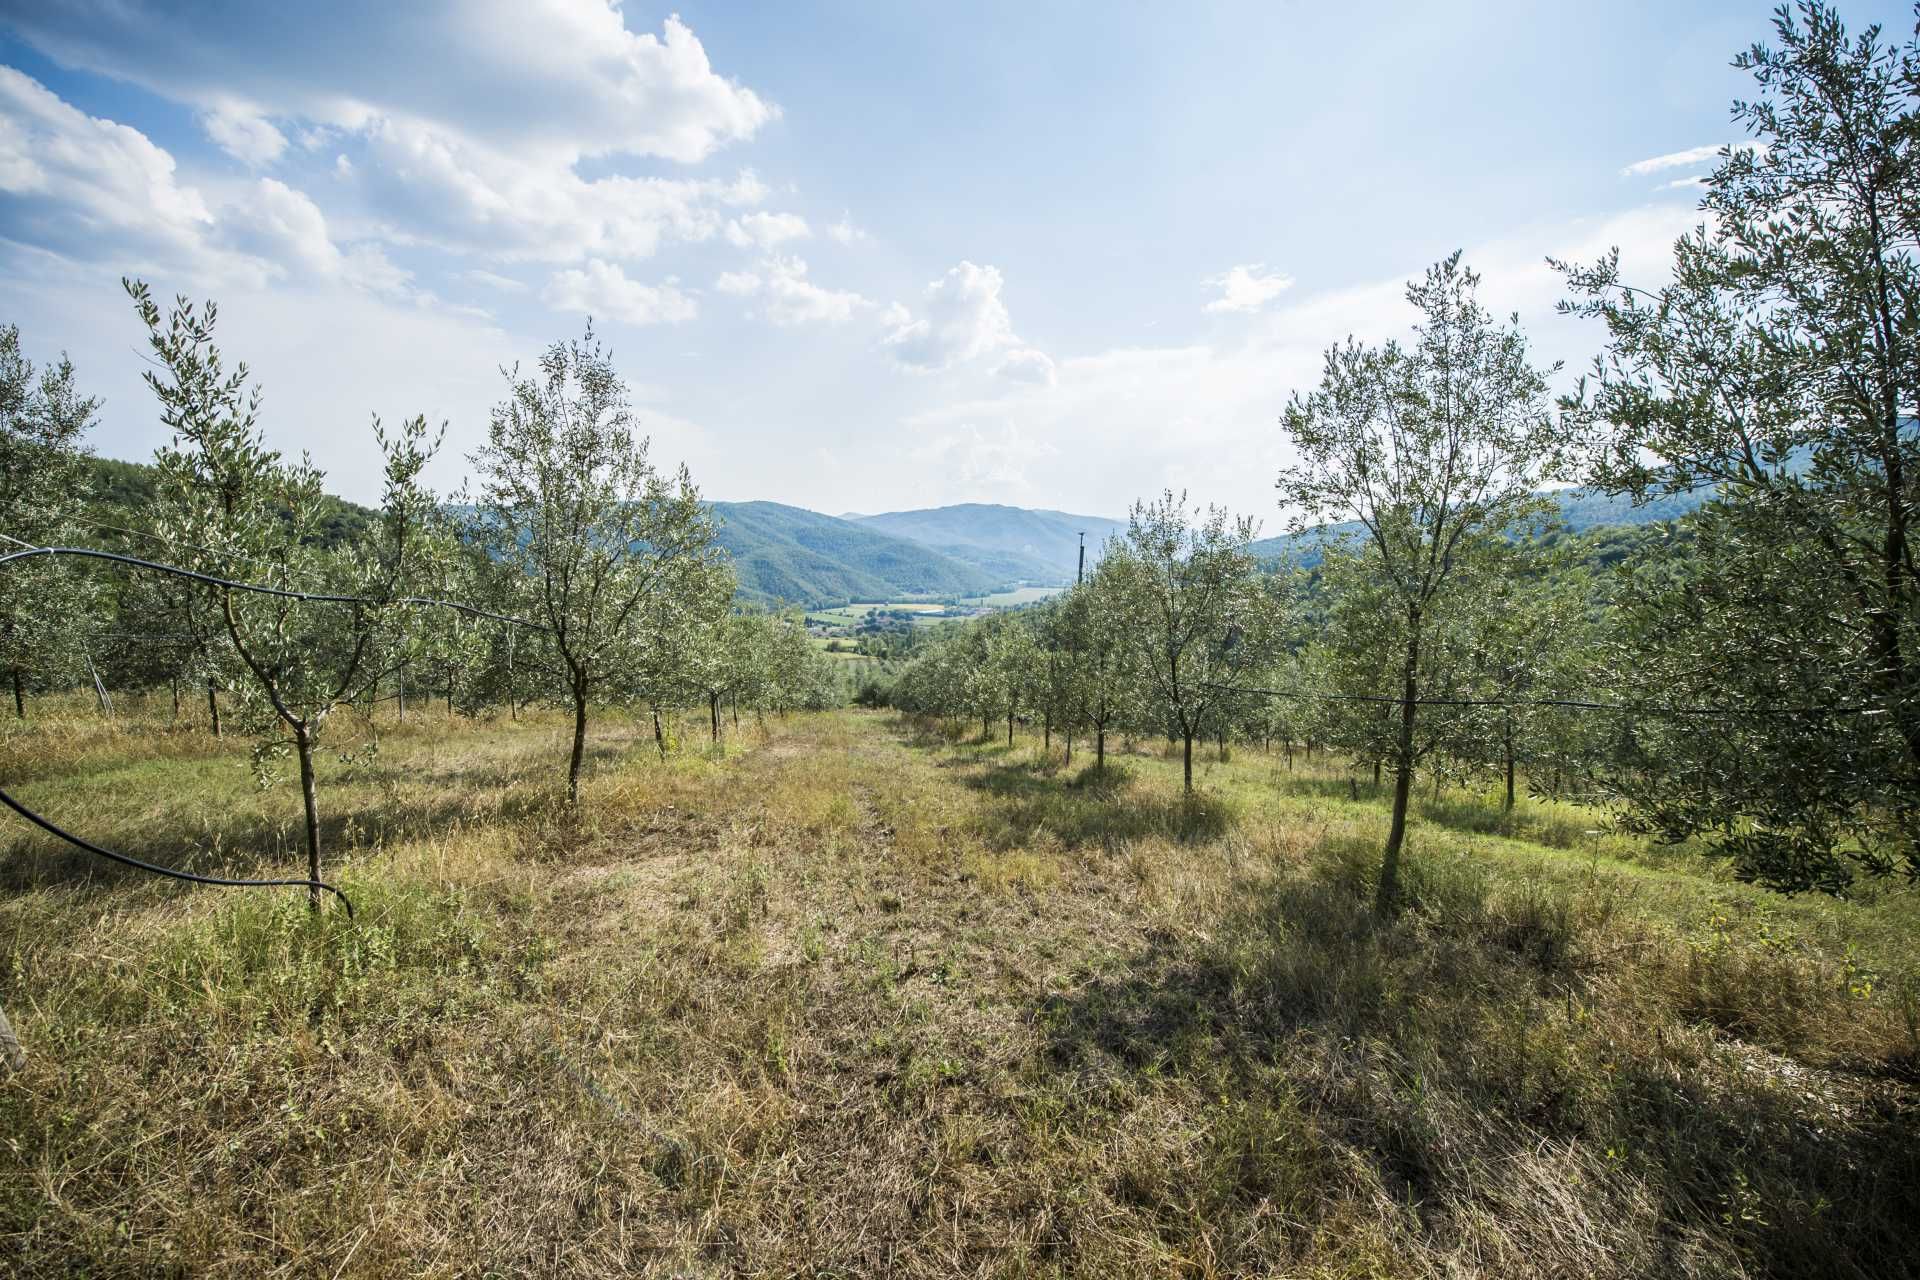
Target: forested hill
[(1581, 509), (789, 555), (792, 555), (124, 493), (1038, 546), (783, 555)]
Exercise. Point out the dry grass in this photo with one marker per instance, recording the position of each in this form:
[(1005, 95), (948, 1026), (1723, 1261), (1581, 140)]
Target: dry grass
[(857, 997)]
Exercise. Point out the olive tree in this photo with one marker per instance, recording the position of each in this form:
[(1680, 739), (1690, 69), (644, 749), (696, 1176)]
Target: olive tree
[(1530, 644), (596, 537), (1781, 368), (43, 424), (1183, 582), (1432, 447), (1016, 667), (234, 510)]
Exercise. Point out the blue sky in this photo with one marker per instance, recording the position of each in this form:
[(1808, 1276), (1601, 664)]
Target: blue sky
[(850, 257)]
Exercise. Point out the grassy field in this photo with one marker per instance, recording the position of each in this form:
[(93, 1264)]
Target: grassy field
[(849, 615), (1014, 596), (862, 660), (854, 996)]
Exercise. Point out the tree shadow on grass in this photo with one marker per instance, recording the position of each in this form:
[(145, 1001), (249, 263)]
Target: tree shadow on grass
[(1456, 810), (1096, 808), (1448, 1061), (1322, 788)]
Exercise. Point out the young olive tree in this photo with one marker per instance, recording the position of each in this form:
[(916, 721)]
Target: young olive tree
[(1530, 642), (597, 538), (1781, 366), (719, 660), (234, 510), (1358, 653), (1183, 582), (1060, 689), (1432, 447), (1015, 668), (798, 675), (43, 605)]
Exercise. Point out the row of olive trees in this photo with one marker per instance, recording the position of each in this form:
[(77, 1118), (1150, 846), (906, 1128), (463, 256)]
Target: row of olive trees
[(43, 424), (576, 574), (1179, 632), (1417, 625), (1160, 638), (1757, 677)]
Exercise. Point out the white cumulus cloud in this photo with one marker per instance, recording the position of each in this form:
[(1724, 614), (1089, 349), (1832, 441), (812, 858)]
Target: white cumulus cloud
[(603, 289), (1247, 287), (788, 297), (1001, 458), (484, 155), (1028, 364), (88, 189), (766, 230), (244, 134), (555, 76), (274, 222), (76, 178), (961, 318)]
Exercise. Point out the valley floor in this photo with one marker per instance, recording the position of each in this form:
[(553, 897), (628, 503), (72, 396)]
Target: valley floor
[(858, 996)]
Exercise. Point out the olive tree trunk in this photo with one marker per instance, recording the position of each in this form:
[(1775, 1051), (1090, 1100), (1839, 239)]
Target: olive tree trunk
[(579, 746), (1507, 744), (1402, 778), (310, 800)]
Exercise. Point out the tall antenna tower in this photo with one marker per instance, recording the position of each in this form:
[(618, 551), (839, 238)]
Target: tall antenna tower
[(1083, 558)]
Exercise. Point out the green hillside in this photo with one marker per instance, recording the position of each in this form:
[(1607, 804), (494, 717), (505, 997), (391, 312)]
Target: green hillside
[(1045, 544), (1584, 508), (1581, 509), (123, 494), (784, 555), (791, 555), (1007, 566)]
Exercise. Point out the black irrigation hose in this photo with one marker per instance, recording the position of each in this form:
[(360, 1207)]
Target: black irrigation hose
[(313, 597), (310, 596), (189, 876)]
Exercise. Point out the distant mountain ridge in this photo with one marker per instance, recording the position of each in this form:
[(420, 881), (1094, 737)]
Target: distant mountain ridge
[(1034, 545), (789, 555), (785, 555), (1581, 508)]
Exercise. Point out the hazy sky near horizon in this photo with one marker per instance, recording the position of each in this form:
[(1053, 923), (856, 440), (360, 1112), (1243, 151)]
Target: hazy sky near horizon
[(850, 257)]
